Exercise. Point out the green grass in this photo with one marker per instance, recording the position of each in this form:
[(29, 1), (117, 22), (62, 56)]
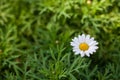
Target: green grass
[(35, 38)]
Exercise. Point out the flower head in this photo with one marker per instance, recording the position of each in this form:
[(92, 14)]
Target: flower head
[(84, 45)]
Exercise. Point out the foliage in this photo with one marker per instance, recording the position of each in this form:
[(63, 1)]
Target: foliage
[(35, 39)]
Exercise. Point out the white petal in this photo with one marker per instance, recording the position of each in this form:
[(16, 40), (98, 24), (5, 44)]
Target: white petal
[(82, 54), (87, 38), (80, 39), (87, 54), (77, 53), (74, 43), (93, 43), (83, 37)]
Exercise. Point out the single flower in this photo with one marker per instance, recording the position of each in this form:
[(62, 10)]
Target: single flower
[(84, 45)]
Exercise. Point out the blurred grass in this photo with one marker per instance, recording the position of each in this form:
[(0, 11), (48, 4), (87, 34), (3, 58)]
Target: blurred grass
[(35, 39)]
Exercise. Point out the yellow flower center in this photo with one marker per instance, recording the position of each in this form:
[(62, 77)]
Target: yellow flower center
[(83, 46)]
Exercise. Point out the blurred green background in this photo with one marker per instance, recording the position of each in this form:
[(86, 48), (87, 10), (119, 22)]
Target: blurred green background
[(35, 38)]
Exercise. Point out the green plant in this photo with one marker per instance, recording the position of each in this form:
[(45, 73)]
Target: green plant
[(35, 38)]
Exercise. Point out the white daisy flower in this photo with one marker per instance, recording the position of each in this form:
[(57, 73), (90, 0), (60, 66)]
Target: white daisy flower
[(84, 45)]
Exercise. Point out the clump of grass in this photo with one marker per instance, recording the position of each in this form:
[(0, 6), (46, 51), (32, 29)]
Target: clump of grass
[(35, 38)]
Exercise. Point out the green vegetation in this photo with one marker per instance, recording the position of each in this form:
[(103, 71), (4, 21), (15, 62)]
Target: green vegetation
[(35, 38)]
